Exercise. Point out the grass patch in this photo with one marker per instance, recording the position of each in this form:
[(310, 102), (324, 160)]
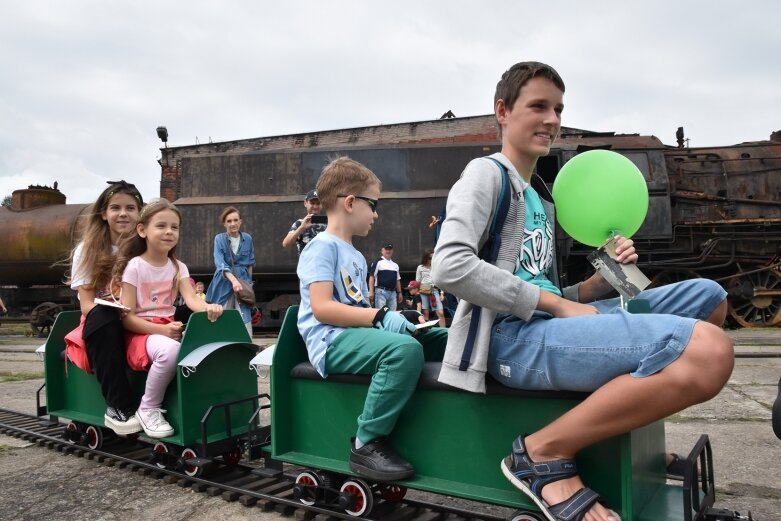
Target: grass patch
[(18, 377), (15, 328)]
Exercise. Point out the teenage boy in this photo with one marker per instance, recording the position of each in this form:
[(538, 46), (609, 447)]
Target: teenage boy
[(530, 334), (344, 334), (385, 280), (303, 230)]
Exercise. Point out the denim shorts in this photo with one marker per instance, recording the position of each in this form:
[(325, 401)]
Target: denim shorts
[(583, 353), (427, 300)]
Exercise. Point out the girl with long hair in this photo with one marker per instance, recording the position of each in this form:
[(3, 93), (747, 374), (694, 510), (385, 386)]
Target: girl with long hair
[(97, 344), (151, 276)]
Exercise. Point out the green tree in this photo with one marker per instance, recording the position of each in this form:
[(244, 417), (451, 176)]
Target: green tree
[(6, 201)]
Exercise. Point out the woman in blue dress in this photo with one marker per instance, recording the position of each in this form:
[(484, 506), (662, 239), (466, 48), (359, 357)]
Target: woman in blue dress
[(234, 257)]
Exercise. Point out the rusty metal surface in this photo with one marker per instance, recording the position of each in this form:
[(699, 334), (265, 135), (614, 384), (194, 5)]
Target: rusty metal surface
[(32, 240)]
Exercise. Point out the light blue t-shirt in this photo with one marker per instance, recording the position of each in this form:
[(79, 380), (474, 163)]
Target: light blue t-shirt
[(536, 254), (328, 258)]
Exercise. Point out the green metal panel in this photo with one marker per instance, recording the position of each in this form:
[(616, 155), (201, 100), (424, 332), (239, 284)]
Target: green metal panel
[(457, 439), (70, 392), (223, 376)]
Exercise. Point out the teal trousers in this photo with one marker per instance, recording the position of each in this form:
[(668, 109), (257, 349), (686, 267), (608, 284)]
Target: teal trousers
[(394, 360)]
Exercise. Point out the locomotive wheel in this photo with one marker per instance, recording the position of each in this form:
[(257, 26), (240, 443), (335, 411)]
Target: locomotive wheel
[(523, 515), (42, 317), (307, 479), (356, 498), (192, 471), (392, 493), (94, 437), (755, 299)]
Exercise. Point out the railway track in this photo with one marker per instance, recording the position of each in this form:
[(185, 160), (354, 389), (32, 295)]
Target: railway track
[(267, 489)]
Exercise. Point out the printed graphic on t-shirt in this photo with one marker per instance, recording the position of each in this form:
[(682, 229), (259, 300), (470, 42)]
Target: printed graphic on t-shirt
[(351, 283), (536, 252), (154, 295)]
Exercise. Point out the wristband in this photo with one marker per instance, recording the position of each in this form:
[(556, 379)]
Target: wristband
[(380, 315)]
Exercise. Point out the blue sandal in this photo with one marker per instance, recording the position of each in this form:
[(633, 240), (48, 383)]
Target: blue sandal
[(531, 477)]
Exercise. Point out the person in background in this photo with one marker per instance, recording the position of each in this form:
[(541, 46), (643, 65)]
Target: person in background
[(413, 302), (199, 290), (234, 257), (98, 343), (431, 296), (385, 280), (304, 230)]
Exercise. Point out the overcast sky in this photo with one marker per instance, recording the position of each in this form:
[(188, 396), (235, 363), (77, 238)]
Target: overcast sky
[(84, 84)]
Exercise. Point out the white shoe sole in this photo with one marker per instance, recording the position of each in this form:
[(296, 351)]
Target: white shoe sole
[(123, 429)]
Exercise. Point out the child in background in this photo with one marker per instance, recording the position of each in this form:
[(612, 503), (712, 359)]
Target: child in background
[(200, 291), (414, 301), (98, 343), (344, 334), (150, 275)]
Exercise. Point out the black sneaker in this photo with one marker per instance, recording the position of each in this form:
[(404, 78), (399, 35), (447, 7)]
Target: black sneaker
[(121, 422), (378, 461)]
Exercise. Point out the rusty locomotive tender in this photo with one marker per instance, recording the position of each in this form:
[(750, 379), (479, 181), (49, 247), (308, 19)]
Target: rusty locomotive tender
[(714, 211)]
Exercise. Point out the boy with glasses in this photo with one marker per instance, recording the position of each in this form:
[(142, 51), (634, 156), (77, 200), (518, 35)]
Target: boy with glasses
[(344, 334)]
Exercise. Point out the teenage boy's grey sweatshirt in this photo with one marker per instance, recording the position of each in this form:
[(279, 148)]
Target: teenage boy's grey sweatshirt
[(457, 269)]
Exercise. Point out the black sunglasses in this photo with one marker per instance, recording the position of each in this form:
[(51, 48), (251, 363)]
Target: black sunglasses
[(371, 202)]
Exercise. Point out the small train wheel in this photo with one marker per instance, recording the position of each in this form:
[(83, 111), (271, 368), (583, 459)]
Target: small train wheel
[(192, 471), (307, 479), (94, 437), (70, 432), (356, 498), (160, 448), (392, 493), (524, 515), (232, 457)]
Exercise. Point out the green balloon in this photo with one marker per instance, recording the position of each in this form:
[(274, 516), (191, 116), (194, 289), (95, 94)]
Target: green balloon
[(600, 193)]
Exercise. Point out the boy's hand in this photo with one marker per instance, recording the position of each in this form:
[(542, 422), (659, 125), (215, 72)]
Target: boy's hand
[(396, 323), (625, 250)]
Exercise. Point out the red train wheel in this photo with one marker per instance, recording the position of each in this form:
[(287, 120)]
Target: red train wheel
[(190, 470), (307, 479), (160, 448), (232, 457), (94, 437), (392, 493), (357, 497)]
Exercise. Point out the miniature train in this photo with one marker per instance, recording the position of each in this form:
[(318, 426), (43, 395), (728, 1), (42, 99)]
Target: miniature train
[(217, 413)]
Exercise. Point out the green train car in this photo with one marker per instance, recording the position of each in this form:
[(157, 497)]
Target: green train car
[(211, 354), (313, 419)]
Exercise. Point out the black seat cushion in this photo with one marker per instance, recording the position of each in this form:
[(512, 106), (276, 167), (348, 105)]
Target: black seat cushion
[(428, 380)]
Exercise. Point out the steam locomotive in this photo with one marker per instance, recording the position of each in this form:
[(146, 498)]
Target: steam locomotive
[(714, 211)]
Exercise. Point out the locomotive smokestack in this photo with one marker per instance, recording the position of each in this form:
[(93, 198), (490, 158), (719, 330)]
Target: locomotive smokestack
[(679, 137)]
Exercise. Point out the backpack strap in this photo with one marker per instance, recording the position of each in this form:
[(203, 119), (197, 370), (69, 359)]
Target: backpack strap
[(489, 252)]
